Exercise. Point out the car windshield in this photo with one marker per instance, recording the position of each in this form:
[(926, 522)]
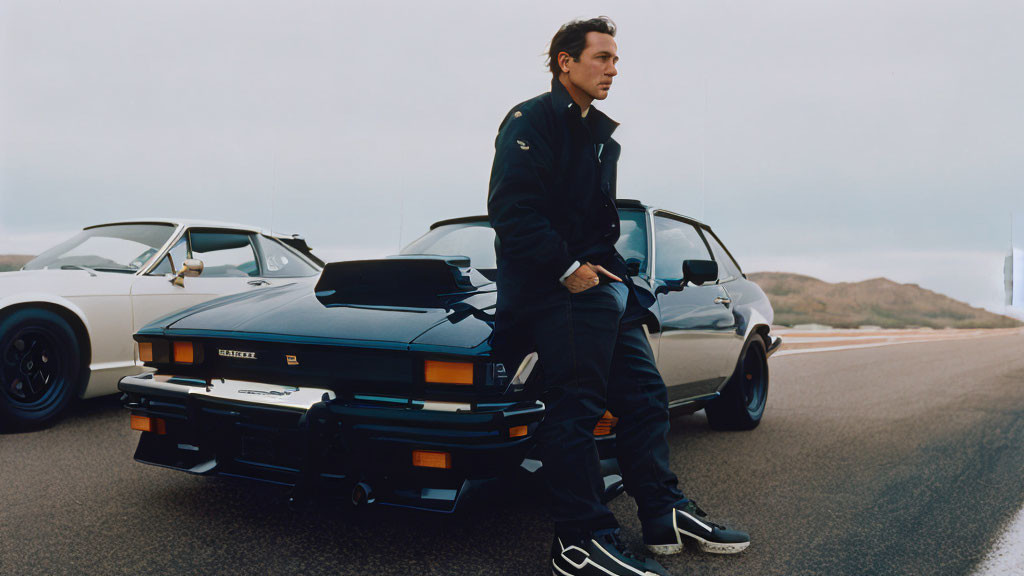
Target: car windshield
[(475, 240), (116, 248)]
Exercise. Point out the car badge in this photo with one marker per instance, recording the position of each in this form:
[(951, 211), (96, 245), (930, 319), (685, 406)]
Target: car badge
[(237, 354), (276, 393), (291, 359)]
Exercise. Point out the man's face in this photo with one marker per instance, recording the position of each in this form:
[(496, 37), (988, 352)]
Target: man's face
[(594, 71)]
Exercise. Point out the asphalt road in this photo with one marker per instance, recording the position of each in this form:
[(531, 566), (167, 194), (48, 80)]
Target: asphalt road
[(897, 460)]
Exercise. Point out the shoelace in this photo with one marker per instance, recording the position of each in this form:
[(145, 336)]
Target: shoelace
[(692, 507)]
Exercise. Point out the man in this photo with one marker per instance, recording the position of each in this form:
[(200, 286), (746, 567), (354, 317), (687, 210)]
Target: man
[(564, 291)]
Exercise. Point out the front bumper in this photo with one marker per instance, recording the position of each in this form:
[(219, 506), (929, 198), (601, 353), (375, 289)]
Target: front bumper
[(330, 442)]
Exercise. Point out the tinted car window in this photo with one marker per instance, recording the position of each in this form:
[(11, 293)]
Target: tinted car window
[(727, 268), (632, 242), (675, 241), (224, 254), (281, 262), (474, 240)]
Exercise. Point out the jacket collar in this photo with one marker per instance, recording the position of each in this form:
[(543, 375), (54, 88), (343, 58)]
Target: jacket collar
[(601, 126)]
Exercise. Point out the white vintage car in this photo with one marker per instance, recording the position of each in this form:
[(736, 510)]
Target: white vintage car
[(67, 317)]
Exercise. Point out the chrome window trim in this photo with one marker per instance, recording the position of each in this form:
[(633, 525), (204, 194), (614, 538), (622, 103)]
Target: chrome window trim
[(153, 262)]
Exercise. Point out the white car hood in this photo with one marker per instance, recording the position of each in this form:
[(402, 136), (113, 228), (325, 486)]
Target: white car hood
[(66, 283)]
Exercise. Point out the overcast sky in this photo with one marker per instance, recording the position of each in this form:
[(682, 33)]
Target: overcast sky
[(844, 140)]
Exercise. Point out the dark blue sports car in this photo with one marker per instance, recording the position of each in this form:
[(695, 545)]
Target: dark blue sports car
[(380, 383)]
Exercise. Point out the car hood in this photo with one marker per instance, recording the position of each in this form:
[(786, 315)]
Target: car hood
[(67, 283), (462, 318)]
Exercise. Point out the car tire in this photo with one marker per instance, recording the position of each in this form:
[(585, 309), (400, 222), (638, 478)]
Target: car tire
[(40, 368), (741, 404)]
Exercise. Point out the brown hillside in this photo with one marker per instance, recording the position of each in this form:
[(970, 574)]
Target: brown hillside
[(879, 302), (13, 261)]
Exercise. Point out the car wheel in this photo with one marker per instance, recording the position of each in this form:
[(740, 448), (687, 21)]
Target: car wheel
[(743, 398), (40, 368)]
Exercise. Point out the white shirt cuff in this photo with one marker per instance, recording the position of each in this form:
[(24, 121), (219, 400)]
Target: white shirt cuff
[(569, 272)]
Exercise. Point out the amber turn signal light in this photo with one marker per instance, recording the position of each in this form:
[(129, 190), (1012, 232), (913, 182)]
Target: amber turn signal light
[(430, 459), (437, 372), (606, 424), (517, 431), (146, 351), (147, 424), (184, 353)]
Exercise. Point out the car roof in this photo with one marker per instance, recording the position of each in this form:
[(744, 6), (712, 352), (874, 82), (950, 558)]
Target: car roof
[(621, 203), (189, 223)]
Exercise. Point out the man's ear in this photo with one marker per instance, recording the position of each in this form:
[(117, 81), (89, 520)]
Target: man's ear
[(563, 61)]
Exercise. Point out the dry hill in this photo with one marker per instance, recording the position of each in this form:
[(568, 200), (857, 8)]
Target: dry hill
[(10, 262), (878, 302)]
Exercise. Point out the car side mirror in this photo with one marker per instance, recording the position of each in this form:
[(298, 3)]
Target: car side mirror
[(699, 271), (190, 267), (695, 272)]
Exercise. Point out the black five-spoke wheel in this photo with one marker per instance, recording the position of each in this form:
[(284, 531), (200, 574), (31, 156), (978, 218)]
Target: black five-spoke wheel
[(741, 405), (39, 367)]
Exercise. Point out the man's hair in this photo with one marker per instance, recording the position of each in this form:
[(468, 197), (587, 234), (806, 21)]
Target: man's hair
[(571, 38)]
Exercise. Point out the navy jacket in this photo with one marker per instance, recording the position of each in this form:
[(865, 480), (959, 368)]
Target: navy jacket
[(552, 202)]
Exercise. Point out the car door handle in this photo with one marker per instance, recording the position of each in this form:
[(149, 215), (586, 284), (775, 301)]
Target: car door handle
[(722, 300), (259, 282)]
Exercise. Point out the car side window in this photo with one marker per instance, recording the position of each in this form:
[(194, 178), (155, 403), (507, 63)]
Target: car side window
[(632, 243), (727, 267), (674, 242), (224, 254), (172, 262), (281, 262)]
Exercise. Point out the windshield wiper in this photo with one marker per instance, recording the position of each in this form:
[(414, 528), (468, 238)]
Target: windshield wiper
[(77, 267)]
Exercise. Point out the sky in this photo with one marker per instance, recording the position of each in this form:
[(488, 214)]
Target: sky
[(842, 140)]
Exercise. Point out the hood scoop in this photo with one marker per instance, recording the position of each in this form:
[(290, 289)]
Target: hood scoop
[(413, 281)]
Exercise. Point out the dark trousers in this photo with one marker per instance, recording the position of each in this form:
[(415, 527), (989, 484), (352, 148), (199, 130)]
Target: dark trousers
[(590, 363)]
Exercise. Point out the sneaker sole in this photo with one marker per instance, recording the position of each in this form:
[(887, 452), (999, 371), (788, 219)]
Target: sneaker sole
[(705, 545)]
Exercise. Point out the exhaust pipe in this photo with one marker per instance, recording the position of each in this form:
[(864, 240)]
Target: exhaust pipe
[(362, 493)]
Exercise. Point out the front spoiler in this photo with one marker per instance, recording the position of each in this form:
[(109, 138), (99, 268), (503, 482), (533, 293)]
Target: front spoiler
[(334, 444)]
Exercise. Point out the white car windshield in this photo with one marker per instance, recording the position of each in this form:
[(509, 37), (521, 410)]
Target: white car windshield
[(115, 248)]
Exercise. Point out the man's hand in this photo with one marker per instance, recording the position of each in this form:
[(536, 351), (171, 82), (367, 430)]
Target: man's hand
[(586, 277)]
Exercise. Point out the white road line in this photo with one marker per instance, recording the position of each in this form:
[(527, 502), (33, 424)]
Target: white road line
[(1007, 557), (785, 352)]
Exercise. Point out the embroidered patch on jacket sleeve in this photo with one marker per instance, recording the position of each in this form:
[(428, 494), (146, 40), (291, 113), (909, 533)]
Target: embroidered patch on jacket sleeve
[(523, 144)]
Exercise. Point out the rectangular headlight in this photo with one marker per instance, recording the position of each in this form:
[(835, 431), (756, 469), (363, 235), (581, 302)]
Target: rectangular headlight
[(437, 372), (155, 351), (184, 352)]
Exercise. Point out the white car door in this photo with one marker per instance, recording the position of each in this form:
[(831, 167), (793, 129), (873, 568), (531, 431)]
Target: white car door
[(230, 265)]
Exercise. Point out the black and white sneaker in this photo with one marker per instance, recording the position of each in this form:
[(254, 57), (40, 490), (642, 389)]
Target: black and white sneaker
[(664, 535), (600, 555)]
